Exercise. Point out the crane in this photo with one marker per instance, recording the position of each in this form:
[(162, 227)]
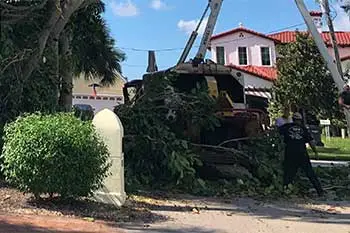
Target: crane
[(332, 67), (214, 6)]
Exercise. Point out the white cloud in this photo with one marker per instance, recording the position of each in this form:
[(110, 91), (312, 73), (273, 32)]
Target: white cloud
[(125, 8), (189, 26), (342, 21), (158, 5)]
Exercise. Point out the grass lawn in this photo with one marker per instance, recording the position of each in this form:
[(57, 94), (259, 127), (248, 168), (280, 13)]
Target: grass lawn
[(334, 149)]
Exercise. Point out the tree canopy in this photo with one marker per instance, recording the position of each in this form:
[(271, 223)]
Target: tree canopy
[(44, 42), (304, 80)]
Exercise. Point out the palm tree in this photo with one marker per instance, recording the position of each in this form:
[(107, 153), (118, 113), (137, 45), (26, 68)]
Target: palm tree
[(86, 47)]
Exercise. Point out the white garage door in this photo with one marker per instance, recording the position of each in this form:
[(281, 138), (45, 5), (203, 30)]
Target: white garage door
[(99, 102)]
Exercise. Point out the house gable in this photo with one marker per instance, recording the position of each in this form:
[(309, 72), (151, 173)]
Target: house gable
[(242, 37)]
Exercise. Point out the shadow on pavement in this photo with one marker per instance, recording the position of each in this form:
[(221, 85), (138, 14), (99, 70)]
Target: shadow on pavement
[(162, 229), (301, 210), (98, 211)]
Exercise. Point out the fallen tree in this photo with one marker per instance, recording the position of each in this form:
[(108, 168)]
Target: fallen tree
[(162, 150)]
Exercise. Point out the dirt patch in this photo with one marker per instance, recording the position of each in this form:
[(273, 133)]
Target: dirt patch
[(14, 202)]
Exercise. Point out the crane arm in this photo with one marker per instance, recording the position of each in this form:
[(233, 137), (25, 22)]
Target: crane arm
[(320, 44), (332, 67), (214, 6), (192, 38)]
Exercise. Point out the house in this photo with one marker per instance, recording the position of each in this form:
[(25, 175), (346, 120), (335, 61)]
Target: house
[(91, 92), (254, 54)]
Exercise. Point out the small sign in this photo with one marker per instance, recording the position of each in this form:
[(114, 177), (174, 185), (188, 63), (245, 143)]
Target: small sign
[(325, 122)]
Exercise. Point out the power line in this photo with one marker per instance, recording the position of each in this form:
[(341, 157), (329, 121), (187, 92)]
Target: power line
[(196, 46), (175, 49), (156, 50), (141, 66)]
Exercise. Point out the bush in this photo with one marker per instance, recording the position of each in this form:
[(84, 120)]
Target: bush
[(157, 142), (54, 154)]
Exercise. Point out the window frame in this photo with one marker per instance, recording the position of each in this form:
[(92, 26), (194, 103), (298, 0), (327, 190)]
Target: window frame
[(262, 55), (218, 59), (246, 55)]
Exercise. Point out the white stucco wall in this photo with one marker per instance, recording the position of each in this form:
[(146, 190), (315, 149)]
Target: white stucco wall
[(252, 42), (253, 81), (343, 51)]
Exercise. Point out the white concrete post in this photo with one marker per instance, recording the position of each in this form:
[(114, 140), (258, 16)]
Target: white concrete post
[(110, 128), (343, 133)]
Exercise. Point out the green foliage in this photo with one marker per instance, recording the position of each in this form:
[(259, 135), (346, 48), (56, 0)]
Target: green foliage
[(54, 154), (157, 145), (90, 42), (93, 48), (17, 41), (268, 150), (304, 81)]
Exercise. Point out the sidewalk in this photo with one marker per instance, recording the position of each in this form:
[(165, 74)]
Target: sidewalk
[(326, 163), (37, 224)]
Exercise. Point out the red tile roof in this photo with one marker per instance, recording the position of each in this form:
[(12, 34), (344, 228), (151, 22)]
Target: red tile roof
[(267, 73), (343, 38), (241, 29), (345, 58), (315, 13)]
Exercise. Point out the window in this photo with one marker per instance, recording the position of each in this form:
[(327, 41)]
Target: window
[(220, 55), (265, 56), (242, 55)]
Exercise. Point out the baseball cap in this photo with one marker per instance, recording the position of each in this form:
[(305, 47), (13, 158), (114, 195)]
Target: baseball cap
[(297, 116)]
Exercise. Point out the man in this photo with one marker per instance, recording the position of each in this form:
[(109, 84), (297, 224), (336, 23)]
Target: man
[(285, 118), (295, 137), (344, 98)]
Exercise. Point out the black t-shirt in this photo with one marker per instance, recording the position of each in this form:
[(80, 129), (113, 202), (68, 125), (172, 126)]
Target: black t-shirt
[(295, 137), (345, 95)]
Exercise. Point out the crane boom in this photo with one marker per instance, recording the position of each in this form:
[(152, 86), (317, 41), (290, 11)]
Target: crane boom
[(332, 67), (214, 6), (192, 38), (320, 44)]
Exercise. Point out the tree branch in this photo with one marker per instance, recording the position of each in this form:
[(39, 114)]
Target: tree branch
[(17, 58), (33, 62), (88, 3), (223, 149), (23, 8), (69, 7), (17, 13)]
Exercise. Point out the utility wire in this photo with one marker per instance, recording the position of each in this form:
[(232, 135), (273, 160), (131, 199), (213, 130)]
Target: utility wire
[(196, 46), (176, 49)]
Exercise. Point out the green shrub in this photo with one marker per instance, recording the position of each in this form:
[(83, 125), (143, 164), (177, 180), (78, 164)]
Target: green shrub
[(54, 154)]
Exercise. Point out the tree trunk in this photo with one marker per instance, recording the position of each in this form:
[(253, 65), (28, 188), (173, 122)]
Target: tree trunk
[(59, 17), (66, 74), (347, 117), (36, 57)]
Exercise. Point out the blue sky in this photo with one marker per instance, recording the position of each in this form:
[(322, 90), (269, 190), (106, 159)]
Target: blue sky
[(163, 24)]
